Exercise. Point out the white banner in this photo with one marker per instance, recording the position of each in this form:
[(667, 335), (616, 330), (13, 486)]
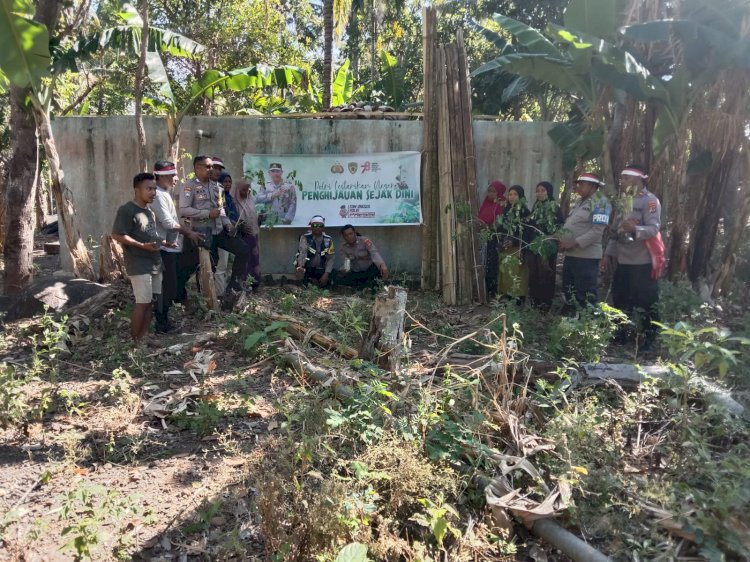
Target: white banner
[(358, 189)]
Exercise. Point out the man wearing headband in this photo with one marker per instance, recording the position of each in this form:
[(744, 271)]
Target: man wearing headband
[(634, 288), (168, 228), (278, 196), (315, 256), (217, 168), (581, 240)]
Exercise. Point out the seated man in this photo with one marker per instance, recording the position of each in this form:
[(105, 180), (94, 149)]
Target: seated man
[(363, 263), (315, 257)]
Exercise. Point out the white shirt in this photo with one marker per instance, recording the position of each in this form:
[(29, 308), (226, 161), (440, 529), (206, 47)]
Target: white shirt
[(167, 221)]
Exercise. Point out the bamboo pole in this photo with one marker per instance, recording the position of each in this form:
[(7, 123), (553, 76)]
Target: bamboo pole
[(429, 278), (445, 208), (476, 265), (207, 279), (460, 209)]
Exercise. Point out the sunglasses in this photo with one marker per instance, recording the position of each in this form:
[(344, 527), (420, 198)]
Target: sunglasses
[(317, 225)]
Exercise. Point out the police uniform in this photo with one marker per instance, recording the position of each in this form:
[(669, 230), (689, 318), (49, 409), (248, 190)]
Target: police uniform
[(585, 224), (365, 262), (316, 256), (632, 285), (196, 202), (284, 207)]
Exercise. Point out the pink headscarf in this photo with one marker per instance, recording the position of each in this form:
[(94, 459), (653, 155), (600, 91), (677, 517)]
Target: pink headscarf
[(490, 210)]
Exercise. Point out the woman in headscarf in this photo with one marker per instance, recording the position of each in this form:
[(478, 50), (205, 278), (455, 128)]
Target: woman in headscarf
[(492, 208), (247, 227), (541, 257), (514, 276)]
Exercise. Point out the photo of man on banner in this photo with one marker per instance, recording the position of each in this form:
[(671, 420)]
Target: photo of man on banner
[(278, 196)]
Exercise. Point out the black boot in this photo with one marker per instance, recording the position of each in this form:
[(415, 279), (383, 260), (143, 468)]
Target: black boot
[(163, 325)]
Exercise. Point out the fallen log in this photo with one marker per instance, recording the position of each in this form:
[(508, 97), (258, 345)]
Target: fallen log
[(300, 363), (629, 375), (302, 333)]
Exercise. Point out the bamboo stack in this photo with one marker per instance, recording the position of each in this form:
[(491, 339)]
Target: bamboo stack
[(454, 265)]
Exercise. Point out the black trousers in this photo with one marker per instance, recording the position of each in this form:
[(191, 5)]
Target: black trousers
[(314, 274), (364, 278), (187, 264), (580, 280), (491, 266), (637, 294), (169, 276), (233, 245)]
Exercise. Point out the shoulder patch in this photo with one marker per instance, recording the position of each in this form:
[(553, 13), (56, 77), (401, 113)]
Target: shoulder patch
[(652, 206), (367, 242), (188, 189), (601, 212)]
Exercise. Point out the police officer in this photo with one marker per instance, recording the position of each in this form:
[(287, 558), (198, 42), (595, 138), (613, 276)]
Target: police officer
[(581, 240), (638, 219), (279, 196), (315, 255), (202, 201), (361, 256)]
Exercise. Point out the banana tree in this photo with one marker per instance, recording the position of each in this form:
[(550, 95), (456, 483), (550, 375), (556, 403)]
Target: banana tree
[(584, 66)]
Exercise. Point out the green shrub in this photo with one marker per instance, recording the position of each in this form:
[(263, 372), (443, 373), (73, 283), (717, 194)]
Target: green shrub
[(585, 336)]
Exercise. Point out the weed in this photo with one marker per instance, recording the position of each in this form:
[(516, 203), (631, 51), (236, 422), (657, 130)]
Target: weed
[(585, 336), (72, 402), (205, 515), (13, 406), (677, 300), (439, 517), (121, 388), (203, 421), (708, 348), (366, 415), (287, 303), (47, 345), (275, 330), (352, 321), (86, 510)]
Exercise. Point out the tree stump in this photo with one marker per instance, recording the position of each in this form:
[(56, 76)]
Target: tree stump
[(208, 290), (383, 343), (111, 260)]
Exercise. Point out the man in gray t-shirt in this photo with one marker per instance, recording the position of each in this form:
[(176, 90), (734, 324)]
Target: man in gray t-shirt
[(135, 230)]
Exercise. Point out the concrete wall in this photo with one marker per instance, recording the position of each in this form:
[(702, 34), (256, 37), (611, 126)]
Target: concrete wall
[(98, 155)]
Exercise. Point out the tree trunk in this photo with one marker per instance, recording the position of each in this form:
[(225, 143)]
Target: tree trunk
[(140, 72), (66, 211), (710, 213), (40, 207), (21, 188), (173, 135), (22, 173), (327, 52), (383, 343)]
